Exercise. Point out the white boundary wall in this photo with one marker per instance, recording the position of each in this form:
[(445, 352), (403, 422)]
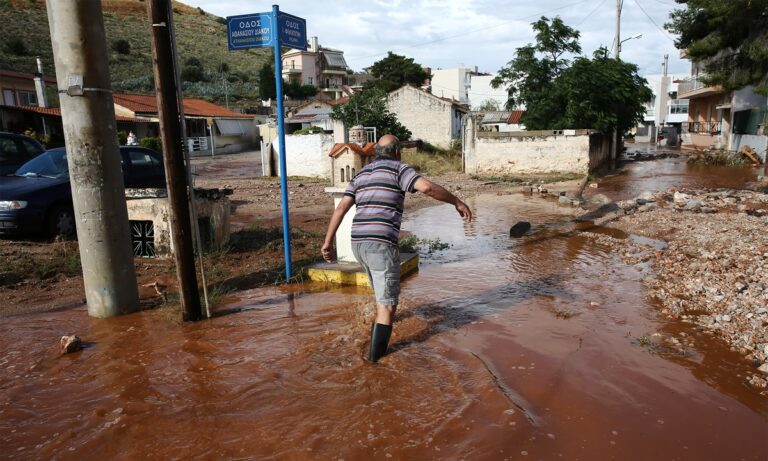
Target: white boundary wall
[(306, 154), (532, 152)]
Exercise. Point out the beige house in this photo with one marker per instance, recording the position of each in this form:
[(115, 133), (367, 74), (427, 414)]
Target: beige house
[(324, 68), (431, 119)]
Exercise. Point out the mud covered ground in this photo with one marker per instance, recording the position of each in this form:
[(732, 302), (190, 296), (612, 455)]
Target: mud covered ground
[(712, 270), (38, 275)]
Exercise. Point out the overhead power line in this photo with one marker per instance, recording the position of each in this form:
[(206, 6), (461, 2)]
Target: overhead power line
[(590, 13), (661, 29), (468, 32)]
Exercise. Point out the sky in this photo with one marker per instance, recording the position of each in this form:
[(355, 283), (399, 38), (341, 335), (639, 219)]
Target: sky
[(466, 33)]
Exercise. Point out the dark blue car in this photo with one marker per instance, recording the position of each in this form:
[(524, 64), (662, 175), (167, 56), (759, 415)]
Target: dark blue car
[(16, 150), (38, 198)]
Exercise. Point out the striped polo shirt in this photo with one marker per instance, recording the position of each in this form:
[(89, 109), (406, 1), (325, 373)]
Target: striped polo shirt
[(379, 193)]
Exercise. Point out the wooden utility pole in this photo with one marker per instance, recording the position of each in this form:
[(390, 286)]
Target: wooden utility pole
[(88, 118), (179, 189)]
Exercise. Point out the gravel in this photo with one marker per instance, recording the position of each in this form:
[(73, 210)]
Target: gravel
[(713, 270)]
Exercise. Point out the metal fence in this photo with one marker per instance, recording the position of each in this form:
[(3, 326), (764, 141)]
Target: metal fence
[(704, 127)]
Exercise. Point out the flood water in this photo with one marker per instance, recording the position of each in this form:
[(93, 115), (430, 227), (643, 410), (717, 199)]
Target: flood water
[(504, 348)]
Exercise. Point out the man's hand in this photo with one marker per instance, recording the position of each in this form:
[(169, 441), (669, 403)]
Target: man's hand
[(329, 254), (463, 210)]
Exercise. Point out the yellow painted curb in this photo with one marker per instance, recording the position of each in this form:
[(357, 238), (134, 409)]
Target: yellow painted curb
[(352, 273)]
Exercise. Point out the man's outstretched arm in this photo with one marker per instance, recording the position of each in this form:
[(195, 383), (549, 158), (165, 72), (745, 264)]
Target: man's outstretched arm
[(338, 215), (438, 192)]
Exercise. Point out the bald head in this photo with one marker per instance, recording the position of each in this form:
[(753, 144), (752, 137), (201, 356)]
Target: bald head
[(388, 146)]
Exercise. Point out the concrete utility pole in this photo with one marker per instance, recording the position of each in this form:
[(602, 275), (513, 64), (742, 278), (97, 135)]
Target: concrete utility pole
[(88, 117), (616, 54), (179, 193), (617, 42)]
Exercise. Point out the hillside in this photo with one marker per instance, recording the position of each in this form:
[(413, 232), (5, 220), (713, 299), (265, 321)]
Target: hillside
[(200, 36)]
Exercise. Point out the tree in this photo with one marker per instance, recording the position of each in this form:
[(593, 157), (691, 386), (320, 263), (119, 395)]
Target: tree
[(368, 108), (489, 105), (267, 85), (121, 46), (601, 93), (729, 38), (16, 46), (296, 90), (394, 71), (598, 93), (528, 75)]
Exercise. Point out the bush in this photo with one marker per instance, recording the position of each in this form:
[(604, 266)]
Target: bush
[(717, 157), (309, 130), (192, 74), (122, 138), (222, 21), (121, 46), (193, 61), (16, 46), (152, 143)]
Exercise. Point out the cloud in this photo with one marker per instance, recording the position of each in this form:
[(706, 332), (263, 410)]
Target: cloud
[(485, 33)]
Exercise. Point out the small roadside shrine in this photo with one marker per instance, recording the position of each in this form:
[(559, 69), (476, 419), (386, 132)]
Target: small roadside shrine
[(349, 157)]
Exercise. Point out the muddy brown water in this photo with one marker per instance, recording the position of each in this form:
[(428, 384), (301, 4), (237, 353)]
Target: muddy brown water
[(637, 177), (532, 348)]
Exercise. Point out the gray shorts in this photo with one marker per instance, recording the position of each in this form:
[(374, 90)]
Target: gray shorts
[(381, 262)]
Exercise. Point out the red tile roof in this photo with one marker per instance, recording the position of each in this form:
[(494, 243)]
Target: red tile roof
[(514, 117), (26, 76), (365, 151), (339, 101), (145, 104), (56, 112)]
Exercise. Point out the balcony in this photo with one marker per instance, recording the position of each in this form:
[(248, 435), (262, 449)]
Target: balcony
[(711, 128), (292, 69), (332, 70), (695, 88)]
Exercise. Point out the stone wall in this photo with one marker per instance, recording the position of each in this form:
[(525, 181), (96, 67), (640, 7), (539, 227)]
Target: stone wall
[(212, 208), (429, 118), (533, 152)]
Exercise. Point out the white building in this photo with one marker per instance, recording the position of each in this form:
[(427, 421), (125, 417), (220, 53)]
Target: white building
[(467, 86), (664, 109), (430, 118), (324, 68), (480, 91)]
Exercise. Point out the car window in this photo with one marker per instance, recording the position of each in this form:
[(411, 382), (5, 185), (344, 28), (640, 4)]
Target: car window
[(50, 164), (142, 159), (31, 148), (9, 151)]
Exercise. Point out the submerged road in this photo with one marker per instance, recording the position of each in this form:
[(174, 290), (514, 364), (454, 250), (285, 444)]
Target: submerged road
[(532, 348)]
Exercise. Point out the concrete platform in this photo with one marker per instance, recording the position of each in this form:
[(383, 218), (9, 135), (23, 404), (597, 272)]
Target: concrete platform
[(353, 274)]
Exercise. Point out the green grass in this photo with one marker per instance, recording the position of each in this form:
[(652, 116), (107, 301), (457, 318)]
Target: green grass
[(434, 163), (535, 179), (64, 258), (197, 35), (412, 244)]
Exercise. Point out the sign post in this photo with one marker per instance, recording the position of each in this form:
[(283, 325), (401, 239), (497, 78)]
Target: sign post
[(265, 30)]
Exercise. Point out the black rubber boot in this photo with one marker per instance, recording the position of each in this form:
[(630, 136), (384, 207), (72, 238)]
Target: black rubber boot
[(379, 340)]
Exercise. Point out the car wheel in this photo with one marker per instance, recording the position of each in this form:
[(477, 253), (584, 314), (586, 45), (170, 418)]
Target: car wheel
[(61, 223)]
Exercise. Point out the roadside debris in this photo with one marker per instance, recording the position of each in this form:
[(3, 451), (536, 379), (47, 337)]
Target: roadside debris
[(70, 344), (519, 229), (714, 271)]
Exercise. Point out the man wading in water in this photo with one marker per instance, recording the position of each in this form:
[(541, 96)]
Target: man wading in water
[(379, 192)]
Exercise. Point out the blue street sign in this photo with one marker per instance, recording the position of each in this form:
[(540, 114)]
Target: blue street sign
[(273, 29), (250, 31), (292, 31)]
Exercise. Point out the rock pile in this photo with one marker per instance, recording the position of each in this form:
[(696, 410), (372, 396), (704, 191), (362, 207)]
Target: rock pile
[(714, 270)]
